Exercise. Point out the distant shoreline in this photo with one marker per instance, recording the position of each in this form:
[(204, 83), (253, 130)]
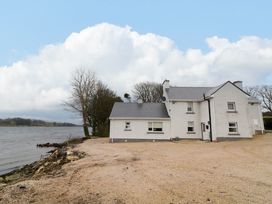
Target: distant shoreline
[(23, 122), (39, 126)]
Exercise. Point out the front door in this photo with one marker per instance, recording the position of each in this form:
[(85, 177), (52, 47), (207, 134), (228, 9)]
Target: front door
[(204, 131)]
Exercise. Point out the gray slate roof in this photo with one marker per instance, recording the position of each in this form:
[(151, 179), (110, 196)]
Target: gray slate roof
[(158, 110), (135, 110), (187, 93), (214, 89), (194, 93)]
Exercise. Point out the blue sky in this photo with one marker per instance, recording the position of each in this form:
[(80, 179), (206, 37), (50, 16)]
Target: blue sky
[(191, 43), (28, 25)]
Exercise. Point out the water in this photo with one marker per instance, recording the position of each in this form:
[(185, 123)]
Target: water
[(18, 144)]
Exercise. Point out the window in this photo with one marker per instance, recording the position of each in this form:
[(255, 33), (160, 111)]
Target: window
[(155, 126), (190, 126), (233, 128), (127, 125), (190, 107), (231, 106)]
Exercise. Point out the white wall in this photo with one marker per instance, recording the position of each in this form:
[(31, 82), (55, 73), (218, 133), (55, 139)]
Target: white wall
[(204, 118), (255, 119), (180, 118), (139, 129), (220, 116), (213, 119), (177, 127)]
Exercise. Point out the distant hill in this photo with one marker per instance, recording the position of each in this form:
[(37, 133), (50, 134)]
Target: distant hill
[(31, 122)]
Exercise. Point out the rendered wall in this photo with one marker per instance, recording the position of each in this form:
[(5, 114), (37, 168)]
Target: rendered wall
[(139, 129), (180, 118), (221, 117), (255, 118)]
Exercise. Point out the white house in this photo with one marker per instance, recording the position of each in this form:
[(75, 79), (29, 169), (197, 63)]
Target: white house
[(207, 113)]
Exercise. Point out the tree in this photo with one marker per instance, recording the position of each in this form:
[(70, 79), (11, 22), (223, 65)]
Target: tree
[(83, 89), (101, 105), (252, 90), (265, 93), (148, 92)]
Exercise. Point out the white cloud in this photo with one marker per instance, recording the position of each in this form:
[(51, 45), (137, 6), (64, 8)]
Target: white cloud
[(122, 57)]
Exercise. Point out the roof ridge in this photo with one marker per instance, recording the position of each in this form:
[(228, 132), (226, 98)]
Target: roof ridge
[(192, 86)]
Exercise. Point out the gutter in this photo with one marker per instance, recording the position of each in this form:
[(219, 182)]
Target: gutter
[(210, 118), (138, 118)]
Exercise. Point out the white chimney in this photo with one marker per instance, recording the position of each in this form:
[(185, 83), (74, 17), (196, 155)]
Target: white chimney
[(239, 84), (139, 101), (165, 88)]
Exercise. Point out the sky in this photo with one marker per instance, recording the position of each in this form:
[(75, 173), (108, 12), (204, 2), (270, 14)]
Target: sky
[(191, 43)]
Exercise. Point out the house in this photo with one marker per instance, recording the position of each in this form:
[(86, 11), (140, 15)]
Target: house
[(207, 113)]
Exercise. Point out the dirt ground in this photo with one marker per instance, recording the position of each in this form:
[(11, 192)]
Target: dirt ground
[(159, 172)]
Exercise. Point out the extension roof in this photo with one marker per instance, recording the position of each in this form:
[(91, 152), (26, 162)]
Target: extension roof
[(138, 110)]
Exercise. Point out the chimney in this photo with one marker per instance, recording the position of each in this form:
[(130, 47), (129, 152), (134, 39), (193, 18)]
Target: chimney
[(239, 84), (165, 88), (140, 101)]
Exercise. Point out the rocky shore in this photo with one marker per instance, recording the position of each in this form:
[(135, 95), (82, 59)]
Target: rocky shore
[(51, 165), (155, 172)]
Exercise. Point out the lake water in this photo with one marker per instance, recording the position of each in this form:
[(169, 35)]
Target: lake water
[(18, 144)]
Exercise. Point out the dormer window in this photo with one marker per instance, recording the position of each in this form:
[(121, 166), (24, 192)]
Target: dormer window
[(190, 107), (231, 107)]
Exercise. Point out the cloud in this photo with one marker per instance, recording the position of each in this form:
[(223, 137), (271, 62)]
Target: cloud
[(122, 57)]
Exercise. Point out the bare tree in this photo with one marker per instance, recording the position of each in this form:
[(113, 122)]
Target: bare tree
[(83, 88), (252, 90), (265, 93), (148, 92)]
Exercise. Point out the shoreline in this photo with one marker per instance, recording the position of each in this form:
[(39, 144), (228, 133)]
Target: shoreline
[(48, 165), (189, 172)]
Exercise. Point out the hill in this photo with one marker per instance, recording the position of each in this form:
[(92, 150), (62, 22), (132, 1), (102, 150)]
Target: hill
[(32, 122)]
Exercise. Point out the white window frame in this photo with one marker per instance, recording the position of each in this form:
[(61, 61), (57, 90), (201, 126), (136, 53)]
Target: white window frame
[(127, 125), (234, 106), (190, 107), (151, 127), (234, 126), (191, 125)]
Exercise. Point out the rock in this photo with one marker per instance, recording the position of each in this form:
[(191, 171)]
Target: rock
[(39, 170), (2, 185), (13, 177), (69, 152), (21, 186), (72, 158), (2, 179)]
